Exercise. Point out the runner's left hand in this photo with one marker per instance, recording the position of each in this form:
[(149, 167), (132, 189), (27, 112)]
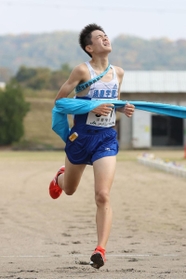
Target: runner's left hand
[(128, 109)]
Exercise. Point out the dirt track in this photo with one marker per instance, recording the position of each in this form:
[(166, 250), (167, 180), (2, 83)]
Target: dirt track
[(45, 239)]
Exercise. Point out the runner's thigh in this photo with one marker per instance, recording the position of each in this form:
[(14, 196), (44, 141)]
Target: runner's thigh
[(104, 170)]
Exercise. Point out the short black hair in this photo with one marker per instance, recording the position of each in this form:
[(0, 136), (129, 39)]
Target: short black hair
[(85, 35)]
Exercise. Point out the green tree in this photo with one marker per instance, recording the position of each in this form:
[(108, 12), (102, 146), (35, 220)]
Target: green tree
[(35, 78), (42, 78), (59, 77), (25, 74), (13, 109)]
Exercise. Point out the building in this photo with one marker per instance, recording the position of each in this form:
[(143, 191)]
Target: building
[(147, 130), (2, 85)]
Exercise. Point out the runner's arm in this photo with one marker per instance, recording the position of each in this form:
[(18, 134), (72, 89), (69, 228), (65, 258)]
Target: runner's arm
[(77, 76), (128, 109)]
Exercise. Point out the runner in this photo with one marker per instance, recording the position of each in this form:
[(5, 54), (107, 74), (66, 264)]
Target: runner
[(92, 140)]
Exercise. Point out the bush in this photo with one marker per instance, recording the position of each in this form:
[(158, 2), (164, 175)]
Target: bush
[(13, 109)]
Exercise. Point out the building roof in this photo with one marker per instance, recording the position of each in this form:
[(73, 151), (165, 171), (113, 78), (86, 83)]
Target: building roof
[(154, 81)]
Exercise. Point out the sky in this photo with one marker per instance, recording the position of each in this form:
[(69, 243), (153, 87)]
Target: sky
[(147, 19)]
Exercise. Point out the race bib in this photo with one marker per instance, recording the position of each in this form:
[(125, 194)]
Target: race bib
[(100, 120)]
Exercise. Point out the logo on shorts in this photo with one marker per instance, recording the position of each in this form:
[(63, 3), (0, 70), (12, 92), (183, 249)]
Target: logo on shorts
[(107, 149)]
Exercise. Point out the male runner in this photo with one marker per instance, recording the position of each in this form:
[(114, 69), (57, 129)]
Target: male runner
[(92, 139)]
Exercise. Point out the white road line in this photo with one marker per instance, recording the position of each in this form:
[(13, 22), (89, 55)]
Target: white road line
[(81, 255)]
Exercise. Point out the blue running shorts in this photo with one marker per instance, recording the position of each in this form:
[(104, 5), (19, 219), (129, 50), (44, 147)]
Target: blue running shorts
[(91, 145)]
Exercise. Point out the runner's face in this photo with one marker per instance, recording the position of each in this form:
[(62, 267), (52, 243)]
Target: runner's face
[(100, 42)]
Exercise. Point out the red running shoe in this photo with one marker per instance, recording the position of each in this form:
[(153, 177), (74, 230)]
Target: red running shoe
[(54, 189), (97, 259)]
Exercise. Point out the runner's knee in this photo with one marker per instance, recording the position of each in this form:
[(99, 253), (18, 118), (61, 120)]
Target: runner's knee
[(102, 197), (69, 191)]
